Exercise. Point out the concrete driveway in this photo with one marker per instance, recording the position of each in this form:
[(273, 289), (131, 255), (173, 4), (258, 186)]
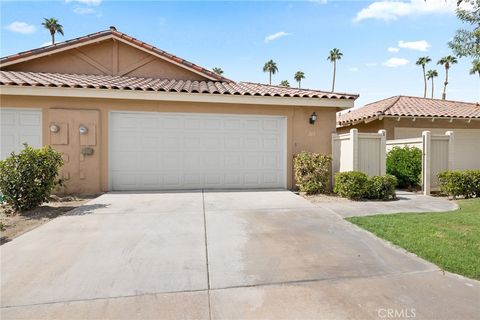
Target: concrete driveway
[(219, 255)]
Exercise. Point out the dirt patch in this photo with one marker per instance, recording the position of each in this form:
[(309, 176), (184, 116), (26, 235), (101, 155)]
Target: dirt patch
[(15, 224), (325, 198)]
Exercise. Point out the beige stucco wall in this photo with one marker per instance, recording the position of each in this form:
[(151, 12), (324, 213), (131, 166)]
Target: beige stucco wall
[(300, 134), (108, 57), (390, 124)]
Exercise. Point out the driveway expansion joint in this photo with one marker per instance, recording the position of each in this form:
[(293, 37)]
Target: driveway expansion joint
[(259, 285), (206, 253)]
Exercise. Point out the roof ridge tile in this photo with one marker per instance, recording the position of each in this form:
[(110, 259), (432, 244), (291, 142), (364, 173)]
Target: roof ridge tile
[(17, 78)]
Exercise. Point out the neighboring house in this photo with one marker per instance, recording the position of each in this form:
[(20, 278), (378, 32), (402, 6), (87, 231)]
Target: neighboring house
[(406, 117), (128, 116)]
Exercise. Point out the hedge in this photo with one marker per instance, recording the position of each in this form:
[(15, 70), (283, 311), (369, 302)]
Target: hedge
[(312, 172), (455, 183), (357, 185)]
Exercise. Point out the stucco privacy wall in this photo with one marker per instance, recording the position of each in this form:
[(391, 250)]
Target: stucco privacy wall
[(108, 57), (300, 134), (389, 124)]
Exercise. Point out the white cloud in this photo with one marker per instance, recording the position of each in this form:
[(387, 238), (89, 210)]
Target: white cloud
[(275, 36), (46, 44), (371, 64), (84, 10), (392, 10), (420, 45), (353, 69), (318, 1), (21, 27), (393, 49), (396, 62), (87, 2)]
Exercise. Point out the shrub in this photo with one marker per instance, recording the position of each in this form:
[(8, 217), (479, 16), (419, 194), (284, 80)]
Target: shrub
[(406, 165), (381, 187), (27, 178), (456, 183), (312, 172), (357, 185), (475, 182), (351, 185)]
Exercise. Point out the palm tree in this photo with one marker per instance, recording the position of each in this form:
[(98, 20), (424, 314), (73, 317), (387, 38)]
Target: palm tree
[(218, 71), (53, 26), (430, 75), (284, 83), (334, 55), (446, 61), (270, 67), (299, 75), (422, 61), (475, 67)]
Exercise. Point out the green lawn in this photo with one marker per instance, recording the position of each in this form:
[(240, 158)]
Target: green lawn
[(451, 239)]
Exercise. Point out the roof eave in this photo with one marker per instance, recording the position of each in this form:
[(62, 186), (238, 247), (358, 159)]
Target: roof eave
[(380, 117), (170, 96)]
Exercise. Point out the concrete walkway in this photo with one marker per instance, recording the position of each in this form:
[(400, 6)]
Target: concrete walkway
[(219, 255), (406, 202)]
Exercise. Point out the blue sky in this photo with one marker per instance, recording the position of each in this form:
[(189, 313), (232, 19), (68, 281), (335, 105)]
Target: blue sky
[(380, 40)]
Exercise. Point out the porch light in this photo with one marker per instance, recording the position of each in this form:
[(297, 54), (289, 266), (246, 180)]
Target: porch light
[(54, 128), (313, 118)]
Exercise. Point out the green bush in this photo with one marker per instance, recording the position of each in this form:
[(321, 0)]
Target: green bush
[(312, 172), (406, 165), (475, 182), (351, 185), (456, 183), (357, 185), (27, 178), (381, 187)]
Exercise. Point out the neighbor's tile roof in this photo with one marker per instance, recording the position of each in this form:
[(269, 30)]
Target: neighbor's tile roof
[(404, 106), (16, 78), (112, 32)]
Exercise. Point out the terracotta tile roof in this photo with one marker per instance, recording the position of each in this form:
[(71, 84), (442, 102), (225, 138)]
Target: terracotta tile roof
[(112, 32), (404, 106), (107, 82)]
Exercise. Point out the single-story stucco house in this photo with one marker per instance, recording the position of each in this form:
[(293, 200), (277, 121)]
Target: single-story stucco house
[(129, 116), (406, 117)]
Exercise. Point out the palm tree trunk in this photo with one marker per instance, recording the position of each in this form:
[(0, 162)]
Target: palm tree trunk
[(444, 94), (53, 37), (432, 87), (424, 82), (334, 74), (270, 73)]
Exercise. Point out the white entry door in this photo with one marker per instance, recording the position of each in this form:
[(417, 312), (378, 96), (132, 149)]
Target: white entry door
[(19, 126), (161, 151)]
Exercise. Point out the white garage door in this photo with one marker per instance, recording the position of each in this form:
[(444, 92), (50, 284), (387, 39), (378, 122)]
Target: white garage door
[(466, 144), (161, 151), (19, 126)]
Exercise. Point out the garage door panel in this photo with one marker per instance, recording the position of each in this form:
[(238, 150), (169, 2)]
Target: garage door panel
[(30, 118), (19, 126), (8, 117), (191, 151)]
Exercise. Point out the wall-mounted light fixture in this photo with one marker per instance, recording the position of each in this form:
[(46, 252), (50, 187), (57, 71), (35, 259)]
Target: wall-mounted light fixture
[(313, 118), (54, 128), (83, 130)]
